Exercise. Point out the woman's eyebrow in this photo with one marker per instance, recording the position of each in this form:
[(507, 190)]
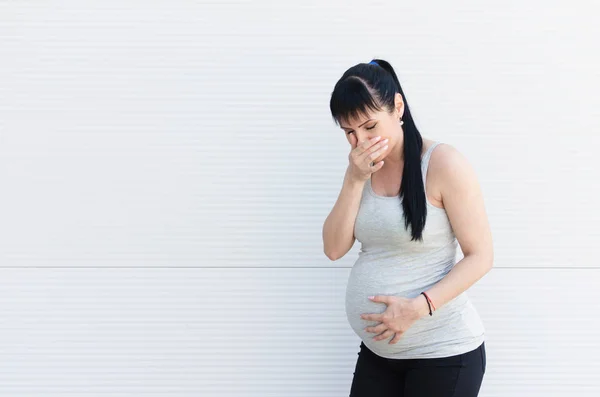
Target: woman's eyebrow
[(348, 128)]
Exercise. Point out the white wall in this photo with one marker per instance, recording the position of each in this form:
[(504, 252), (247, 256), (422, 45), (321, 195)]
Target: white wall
[(166, 168)]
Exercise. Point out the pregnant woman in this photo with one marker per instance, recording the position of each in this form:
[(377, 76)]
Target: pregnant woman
[(410, 201)]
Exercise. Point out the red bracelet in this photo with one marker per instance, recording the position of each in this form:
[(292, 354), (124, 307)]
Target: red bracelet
[(429, 299), (428, 304)]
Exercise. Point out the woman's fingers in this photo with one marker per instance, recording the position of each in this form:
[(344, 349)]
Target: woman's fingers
[(372, 156), (385, 335), (377, 329), (396, 338), (363, 155), (364, 146), (375, 150), (378, 166)]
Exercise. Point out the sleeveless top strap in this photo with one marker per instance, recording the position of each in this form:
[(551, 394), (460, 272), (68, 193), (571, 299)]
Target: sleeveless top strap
[(425, 160)]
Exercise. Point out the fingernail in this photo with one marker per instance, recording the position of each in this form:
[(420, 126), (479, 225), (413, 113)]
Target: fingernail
[(371, 297)]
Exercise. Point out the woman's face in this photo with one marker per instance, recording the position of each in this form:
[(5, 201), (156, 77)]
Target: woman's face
[(381, 123)]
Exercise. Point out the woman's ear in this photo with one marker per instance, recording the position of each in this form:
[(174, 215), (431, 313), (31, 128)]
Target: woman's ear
[(399, 104)]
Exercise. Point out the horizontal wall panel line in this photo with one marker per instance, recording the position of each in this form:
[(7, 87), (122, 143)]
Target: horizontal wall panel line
[(278, 267)]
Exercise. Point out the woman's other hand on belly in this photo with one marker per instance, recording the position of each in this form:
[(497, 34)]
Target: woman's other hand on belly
[(401, 313)]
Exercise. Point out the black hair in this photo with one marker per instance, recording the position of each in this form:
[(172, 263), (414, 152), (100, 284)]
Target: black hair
[(373, 86)]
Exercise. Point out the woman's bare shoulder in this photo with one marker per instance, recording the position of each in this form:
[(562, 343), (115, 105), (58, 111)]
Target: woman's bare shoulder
[(448, 166), (447, 158)]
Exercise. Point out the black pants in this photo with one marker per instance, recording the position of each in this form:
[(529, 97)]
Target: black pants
[(459, 375)]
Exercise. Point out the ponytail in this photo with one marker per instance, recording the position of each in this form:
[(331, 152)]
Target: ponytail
[(412, 189)]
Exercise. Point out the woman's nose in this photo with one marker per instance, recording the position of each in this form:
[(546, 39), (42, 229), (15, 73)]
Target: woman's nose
[(361, 137)]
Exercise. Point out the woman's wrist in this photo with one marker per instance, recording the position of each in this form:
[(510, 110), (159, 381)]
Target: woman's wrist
[(420, 305), (353, 180)]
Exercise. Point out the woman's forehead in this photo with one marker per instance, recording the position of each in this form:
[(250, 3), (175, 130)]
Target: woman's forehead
[(358, 119)]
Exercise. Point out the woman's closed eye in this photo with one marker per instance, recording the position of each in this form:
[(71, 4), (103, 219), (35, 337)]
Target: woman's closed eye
[(368, 128)]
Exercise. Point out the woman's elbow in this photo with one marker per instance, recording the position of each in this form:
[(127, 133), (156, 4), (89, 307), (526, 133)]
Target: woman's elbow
[(487, 260), (332, 255)]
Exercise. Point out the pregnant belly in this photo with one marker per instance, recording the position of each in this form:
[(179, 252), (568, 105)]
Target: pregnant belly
[(364, 282), (368, 279)]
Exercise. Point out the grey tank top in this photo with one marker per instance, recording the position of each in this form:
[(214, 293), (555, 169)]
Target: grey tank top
[(390, 264)]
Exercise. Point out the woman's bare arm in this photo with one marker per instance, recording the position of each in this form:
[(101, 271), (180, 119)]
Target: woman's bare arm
[(464, 204), (338, 229)]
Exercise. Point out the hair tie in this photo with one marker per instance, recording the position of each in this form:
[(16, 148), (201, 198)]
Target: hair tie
[(373, 63)]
